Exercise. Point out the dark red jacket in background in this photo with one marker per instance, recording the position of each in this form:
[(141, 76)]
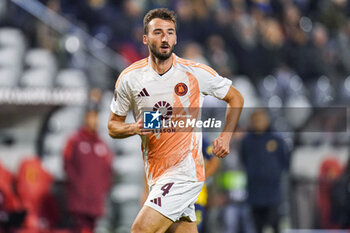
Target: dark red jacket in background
[(88, 167)]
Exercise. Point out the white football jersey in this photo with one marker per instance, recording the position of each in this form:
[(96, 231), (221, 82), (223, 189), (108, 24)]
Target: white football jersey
[(139, 87)]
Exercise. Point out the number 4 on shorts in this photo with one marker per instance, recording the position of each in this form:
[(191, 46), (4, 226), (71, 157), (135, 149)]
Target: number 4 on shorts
[(165, 188)]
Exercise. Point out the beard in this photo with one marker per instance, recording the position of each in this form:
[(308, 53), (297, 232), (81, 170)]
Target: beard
[(159, 55)]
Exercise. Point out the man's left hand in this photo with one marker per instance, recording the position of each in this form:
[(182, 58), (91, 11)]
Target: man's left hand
[(221, 147)]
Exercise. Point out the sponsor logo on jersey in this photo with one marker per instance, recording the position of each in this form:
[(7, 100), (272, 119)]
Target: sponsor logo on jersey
[(157, 201), (151, 120), (143, 93), (164, 108), (181, 89)]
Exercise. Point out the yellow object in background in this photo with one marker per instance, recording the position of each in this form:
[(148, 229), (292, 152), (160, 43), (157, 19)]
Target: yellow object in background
[(203, 196)]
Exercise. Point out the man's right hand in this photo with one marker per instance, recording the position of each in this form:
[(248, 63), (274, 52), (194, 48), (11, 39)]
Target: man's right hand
[(140, 130), (117, 128)]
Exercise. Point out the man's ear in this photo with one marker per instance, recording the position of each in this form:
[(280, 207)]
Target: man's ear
[(144, 40)]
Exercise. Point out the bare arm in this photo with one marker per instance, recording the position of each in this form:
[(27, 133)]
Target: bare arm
[(211, 166), (117, 128), (234, 99)]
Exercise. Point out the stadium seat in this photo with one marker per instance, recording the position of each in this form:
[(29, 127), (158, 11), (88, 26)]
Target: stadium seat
[(298, 110), (126, 192), (268, 86), (53, 163), (12, 37), (247, 89), (10, 57), (8, 77), (323, 91), (66, 119), (37, 78), (53, 143), (296, 85), (104, 116), (41, 58), (106, 99), (102, 126), (71, 78), (344, 87)]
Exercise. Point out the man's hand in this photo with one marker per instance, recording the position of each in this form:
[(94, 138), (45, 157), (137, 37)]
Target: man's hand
[(117, 128), (140, 130), (221, 146)]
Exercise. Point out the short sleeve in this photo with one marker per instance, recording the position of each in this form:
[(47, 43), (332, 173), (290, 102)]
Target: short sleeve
[(121, 101), (212, 83)]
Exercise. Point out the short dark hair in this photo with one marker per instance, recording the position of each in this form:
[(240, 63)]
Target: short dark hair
[(161, 13)]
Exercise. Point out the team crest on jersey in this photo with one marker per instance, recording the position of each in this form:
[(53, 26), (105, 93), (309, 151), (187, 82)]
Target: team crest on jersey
[(181, 89), (271, 145), (164, 108)]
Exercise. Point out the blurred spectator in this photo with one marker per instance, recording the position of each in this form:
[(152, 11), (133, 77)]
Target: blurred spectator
[(12, 212), (220, 56), (340, 198), (342, 40), (272, 42), (330, 169), (322, 56), (264, 163), (87, 162), (193, 51), (34, 189), (261, 35), (291, 18), (245, 45), (295, 49), (187, 27), (333, 14)]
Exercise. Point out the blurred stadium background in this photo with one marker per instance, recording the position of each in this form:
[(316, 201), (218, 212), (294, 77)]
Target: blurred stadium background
[(280, 54)]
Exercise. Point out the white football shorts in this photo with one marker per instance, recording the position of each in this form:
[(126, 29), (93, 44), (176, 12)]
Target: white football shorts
[(174, 199)]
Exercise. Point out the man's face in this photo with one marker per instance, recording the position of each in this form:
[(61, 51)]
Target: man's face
[(260, 121), (161, 38)]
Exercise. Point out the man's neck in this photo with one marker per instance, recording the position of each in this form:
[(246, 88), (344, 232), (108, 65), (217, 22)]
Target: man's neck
[(161, 66)]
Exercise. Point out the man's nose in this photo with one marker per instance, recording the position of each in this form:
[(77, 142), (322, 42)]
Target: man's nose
[(165, 38)]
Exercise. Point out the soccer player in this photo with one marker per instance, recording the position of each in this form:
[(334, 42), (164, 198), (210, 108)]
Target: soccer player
[(173, 161)]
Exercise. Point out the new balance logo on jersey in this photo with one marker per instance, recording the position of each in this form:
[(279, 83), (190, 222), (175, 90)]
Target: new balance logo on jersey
[(143, 93), (157, 201)]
